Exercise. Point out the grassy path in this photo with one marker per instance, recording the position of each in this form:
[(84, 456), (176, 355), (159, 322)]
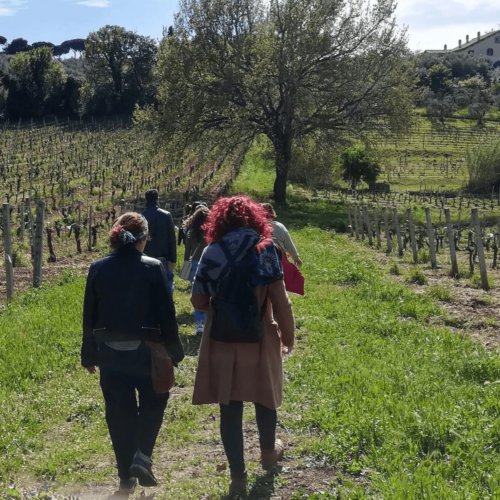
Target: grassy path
[(379, 403)]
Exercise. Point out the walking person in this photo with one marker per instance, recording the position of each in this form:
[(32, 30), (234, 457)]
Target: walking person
[(162, 244), (239, 283), (181, 235), (195, 244), (282, 237), (128, 302), (294, 280)]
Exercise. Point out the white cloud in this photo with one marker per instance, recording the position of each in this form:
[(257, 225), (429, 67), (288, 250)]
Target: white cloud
[(432, 23), (10, 7), (94, 3)]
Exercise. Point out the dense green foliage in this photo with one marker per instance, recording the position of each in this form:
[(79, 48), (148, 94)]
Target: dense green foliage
[(358, 164), (120, 64), (112, 78), (452, 82)]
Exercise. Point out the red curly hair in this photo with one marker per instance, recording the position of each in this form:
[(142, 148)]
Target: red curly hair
[(237, 211)]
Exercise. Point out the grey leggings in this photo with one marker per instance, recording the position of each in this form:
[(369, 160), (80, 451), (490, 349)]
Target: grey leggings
[(231, 431)]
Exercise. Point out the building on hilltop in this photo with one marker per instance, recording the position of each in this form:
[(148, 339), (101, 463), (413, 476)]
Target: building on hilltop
[(487, 45)]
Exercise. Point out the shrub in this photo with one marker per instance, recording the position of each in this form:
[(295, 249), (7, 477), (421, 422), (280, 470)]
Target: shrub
[(358, 164), (483, 164)]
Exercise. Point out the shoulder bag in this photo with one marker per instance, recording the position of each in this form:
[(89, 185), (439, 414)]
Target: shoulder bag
[(185, 271), (162, 367)]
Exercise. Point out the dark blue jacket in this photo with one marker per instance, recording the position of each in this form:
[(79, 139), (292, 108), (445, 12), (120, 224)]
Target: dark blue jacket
[(127, 297), (161, 229)]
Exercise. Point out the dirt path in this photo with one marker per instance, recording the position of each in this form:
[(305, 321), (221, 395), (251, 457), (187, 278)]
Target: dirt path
[(191, 472)]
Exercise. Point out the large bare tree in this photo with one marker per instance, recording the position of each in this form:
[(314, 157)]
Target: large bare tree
[(288, 69)]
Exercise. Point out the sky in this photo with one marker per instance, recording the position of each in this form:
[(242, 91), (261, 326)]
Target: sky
[(431, 23)]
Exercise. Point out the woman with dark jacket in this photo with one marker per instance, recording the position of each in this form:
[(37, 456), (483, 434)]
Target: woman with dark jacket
[(232, 368), (195, 244), (127, 302)]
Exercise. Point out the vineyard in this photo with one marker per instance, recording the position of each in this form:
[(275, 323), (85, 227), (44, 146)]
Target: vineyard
[(86, 175), (432, 157)]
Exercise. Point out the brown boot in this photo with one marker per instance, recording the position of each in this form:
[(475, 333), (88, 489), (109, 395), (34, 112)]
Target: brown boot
[(238, 484), (270, 457)]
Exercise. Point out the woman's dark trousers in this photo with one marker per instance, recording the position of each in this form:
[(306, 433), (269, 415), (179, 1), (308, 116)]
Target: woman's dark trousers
[(131, 426), (231, 431)]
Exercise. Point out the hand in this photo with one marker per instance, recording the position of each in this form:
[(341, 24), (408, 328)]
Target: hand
[(298, 262), (171, 266), (91, 369), (286, 350)]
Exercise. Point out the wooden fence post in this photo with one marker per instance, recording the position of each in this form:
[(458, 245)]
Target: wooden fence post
[(30, 215), (356, 221), (451, 241), (367, 223), (89, 227), (430, 235), (386, 229), (377, 229), (480, 249), (7, 241), (361, 224), (21, 215), (398, 231), (38, 244), (350, 219), (413, 241)]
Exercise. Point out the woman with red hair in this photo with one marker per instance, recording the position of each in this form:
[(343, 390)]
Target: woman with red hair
[(239, 283)]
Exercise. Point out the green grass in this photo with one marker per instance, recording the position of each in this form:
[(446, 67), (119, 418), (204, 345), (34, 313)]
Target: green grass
[(398, 408)]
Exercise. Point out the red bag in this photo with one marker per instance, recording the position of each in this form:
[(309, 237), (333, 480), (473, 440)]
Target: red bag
[(294, 279)]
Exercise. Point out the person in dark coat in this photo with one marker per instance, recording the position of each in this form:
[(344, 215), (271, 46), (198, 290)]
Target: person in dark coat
[(162, 245), (181, 235), (127, 302)]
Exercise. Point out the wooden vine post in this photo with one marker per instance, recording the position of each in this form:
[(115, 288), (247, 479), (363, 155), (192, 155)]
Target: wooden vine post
[(386, 229), (356, 221), (430, 234), (398, 231), (451, 241), (377, 229), (89, 226), (38, 244), (367, 224), (413, 241), (361, 224), (21, 215), (7, 241), (350, 219), (480, 249)]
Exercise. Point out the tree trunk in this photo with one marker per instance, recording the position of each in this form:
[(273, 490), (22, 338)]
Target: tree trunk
[(283, 152), (280, 185)]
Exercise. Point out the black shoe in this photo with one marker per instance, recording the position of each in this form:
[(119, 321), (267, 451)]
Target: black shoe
[(141, 469), (127, 486)]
